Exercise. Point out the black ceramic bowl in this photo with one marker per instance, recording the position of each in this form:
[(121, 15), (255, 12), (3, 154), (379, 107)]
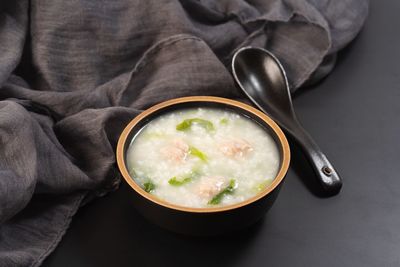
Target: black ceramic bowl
[(203, 221)]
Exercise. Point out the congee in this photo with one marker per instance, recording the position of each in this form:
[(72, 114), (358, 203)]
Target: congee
[(203, 158)]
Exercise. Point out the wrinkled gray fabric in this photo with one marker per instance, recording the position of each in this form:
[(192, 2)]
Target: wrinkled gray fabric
[(73, 73)]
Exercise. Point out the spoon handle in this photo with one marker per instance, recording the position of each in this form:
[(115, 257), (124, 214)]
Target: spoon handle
[(325, 172)]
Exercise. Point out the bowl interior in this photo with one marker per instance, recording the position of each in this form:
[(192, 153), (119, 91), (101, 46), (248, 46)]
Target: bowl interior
[(133, 129)]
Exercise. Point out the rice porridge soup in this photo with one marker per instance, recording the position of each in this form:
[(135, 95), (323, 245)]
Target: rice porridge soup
[(203, 157)]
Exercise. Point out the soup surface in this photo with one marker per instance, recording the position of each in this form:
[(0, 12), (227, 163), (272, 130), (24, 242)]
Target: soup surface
[(203, 157)]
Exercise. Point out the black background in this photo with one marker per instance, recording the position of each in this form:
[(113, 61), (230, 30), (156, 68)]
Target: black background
[(354, 115)]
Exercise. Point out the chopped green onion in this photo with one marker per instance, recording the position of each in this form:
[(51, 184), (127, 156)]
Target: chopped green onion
[(197, 153), (228, 190), (186, 179), (132, 172), (175, 182), (187, 124), (149, 187), (262, 186), (224, 121)]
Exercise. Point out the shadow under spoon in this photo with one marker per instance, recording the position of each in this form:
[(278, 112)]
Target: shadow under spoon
[(262, 78)]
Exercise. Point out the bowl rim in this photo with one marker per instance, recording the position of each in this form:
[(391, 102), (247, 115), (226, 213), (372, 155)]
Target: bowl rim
[(122, 141)]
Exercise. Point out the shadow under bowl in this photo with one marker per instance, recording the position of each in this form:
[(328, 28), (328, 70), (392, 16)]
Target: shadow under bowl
[(203, 221)]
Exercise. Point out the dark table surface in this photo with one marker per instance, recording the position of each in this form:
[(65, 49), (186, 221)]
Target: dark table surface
[(354, 115)]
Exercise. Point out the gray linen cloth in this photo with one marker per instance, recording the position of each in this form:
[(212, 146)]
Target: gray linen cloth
[(73, 73)]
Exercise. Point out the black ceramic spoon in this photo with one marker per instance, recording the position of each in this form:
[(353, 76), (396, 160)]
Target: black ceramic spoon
[(262, 78)]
